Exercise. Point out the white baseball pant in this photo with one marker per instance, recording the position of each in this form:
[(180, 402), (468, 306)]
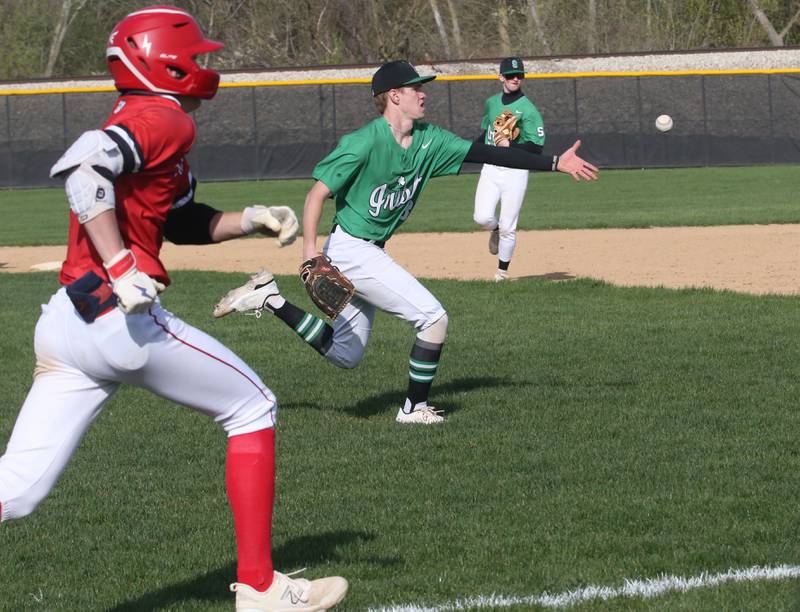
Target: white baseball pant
[(506, 186), (380, 282), (79, 366)]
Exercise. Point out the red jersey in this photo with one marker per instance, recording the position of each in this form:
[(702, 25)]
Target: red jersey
[(154, 135)]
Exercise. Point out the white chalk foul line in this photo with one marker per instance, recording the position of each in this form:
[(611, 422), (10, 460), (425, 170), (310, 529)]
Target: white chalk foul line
[(652, 587)]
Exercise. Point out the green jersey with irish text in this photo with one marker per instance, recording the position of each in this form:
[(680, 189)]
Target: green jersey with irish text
[(529, 120), (377, 182)]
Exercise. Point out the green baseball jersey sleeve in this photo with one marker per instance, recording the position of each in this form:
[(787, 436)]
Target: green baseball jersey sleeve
[(377, 183), (529, 119), (341, 166)]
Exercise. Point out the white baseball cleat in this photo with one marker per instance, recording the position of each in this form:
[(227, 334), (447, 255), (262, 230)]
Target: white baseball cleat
[(250, 297), (426, 416), (494, 241), (500, 276), (289, 595)]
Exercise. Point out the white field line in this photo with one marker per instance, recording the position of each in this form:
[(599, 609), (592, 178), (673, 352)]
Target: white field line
[(652, 587)]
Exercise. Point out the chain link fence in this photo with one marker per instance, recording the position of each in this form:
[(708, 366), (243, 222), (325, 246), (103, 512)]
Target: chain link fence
[(283, 131)]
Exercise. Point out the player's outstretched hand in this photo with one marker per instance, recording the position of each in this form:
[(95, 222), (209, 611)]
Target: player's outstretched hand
[(278, 221), (570, 163)]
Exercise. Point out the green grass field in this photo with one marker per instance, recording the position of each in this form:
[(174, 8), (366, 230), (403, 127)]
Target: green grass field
[(621, 198), (595, 435)]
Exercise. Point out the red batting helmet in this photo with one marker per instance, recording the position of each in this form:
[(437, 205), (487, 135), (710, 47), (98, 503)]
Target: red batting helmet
[(154, 49)]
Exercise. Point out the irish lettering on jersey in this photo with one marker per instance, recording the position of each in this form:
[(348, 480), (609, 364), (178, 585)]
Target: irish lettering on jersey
[(398, 195), (377, 183)]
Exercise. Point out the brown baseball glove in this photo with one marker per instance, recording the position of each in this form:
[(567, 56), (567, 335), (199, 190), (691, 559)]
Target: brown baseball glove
[(328, 288), (505, 126)]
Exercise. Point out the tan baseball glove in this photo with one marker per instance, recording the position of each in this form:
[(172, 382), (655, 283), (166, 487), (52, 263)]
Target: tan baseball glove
[(505, 126), (328, 288)]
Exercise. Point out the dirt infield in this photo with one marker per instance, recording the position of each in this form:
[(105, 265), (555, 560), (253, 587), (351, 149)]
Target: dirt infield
[(756, 259)]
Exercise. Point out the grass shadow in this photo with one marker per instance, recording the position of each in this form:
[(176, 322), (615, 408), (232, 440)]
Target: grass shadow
[(553, 276), (294, 554), (390, 401)]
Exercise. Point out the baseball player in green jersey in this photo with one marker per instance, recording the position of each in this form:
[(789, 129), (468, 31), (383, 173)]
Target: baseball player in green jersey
[(506, 185), (377, 175)]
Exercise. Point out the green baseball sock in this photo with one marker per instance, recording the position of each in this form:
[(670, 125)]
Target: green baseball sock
[(313, 330), (423, 363)]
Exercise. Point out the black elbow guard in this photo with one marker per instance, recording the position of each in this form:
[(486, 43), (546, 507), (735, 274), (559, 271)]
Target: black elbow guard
[(190, 224)]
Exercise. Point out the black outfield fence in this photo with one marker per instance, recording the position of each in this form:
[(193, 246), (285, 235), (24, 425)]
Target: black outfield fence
[(260, 132)]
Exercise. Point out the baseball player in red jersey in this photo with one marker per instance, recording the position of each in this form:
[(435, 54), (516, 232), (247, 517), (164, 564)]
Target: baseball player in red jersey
[(129, 187)]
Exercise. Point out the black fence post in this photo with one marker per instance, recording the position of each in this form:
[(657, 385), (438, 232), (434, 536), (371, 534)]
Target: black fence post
[(11, 182), (641, 119), (706, 144), (64, 121), (771, 120), (449, 106), (575, 102), (321, 97), (256, 139), (333, 113)]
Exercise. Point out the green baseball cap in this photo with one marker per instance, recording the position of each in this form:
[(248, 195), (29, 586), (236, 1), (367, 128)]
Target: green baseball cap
[(512, 65), (398, 73)]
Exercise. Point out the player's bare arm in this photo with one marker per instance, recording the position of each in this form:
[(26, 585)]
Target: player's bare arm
[(104, 234), (89, 168), (135, 290), (312, 213), (277, 221), (198, 223), (225, 226)]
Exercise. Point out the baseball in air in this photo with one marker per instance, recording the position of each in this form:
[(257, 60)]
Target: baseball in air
[(663, 123)]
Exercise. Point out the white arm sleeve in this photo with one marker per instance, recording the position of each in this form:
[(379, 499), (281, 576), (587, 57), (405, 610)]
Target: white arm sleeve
[(90, 166)]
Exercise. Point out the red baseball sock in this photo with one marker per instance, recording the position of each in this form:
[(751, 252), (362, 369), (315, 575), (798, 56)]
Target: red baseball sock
[(250, 479)]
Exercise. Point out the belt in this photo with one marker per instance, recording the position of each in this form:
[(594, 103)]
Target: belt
[(91, 296), (378, 243)]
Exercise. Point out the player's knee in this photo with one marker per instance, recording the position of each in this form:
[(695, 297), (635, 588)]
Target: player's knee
[(509, 233), (347, 350), (487, 222), (344, 359), (436, 331), (251, 414)]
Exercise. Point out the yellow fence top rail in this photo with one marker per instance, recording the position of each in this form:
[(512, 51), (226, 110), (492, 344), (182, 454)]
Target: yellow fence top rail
[(443, 77)]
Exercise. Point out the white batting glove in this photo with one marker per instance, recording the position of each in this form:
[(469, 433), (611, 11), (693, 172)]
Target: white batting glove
[(278, 221), (135, 291)]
